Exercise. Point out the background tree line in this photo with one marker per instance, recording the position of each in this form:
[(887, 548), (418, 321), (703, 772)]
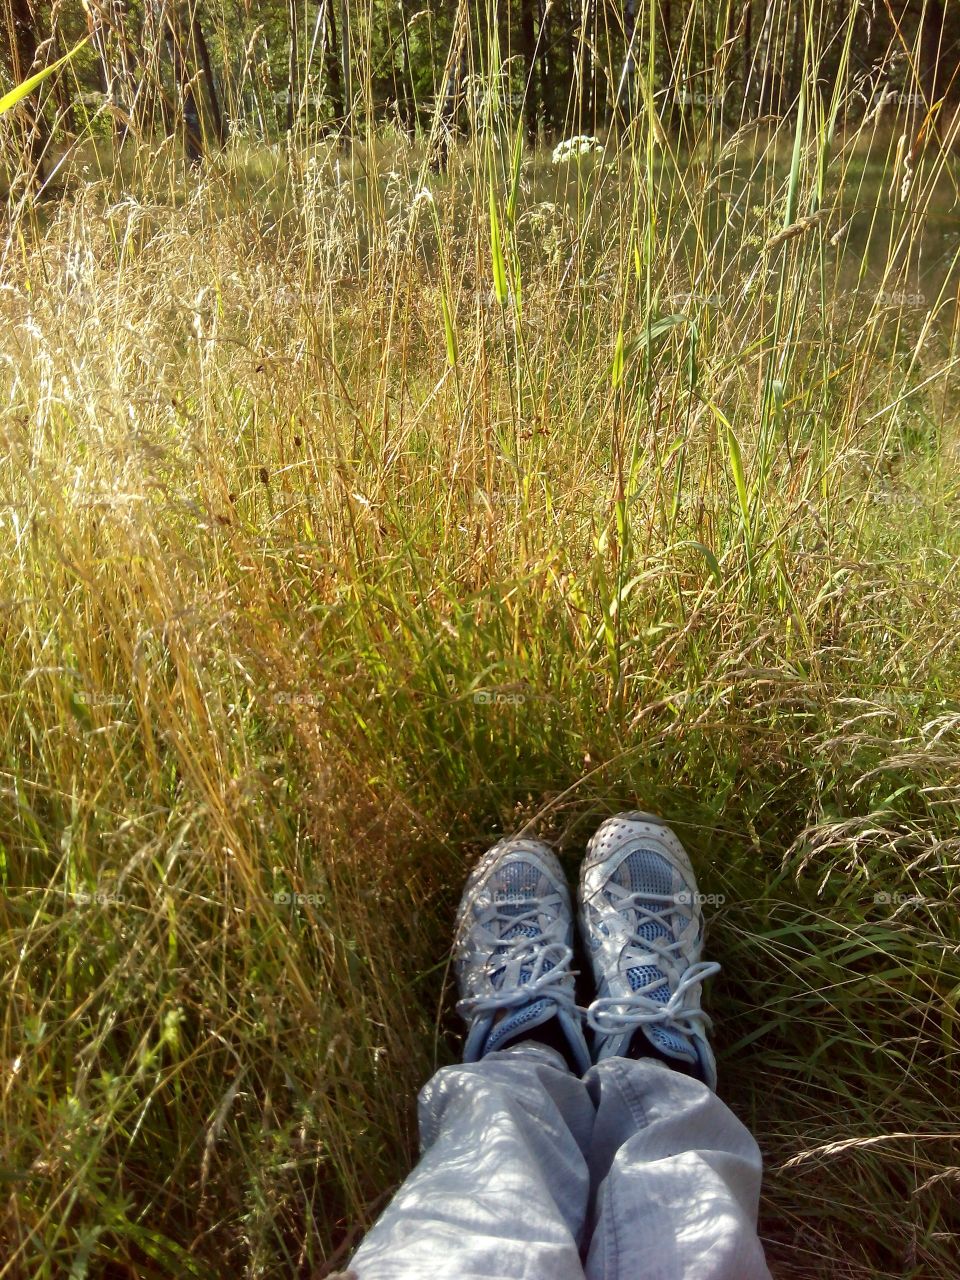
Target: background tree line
[(206, 68)]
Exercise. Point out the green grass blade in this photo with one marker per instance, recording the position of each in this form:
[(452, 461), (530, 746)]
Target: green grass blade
[(496, 250), (20, 91)]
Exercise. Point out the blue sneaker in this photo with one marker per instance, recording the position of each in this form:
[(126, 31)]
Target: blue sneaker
[(643, 928), (512, 950)]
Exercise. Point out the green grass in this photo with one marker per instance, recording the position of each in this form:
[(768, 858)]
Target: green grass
[(325, 562)]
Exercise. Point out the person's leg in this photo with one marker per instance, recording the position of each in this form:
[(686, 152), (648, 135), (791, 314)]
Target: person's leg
[(501, 1190), (675, 1176), (676, 1179)]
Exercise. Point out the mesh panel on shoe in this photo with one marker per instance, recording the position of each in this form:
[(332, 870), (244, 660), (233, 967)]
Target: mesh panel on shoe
[(642, 974), (519, 879), (648, 870)]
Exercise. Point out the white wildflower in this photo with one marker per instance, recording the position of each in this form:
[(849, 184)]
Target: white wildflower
[(583, 144)]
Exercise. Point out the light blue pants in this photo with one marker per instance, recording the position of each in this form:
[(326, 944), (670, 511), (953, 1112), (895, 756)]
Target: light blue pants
[(635, 1172)]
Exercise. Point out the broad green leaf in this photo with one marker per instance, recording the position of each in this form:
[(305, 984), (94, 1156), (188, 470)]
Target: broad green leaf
[(793, 188), (515, 183), (20, 91), (496, 251), (713, 564), (449, 331), (616, 372), (655, 330), (736, 468)]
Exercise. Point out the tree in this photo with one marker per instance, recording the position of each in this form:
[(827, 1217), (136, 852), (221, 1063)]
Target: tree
[(747, 42), (333, 65), (153, 59), (23, 57), (528, 45), (939, 62), (626, 90), (293, 62), (202, 56), (345, 51), (543, 65), (192, 128), (455, 73)]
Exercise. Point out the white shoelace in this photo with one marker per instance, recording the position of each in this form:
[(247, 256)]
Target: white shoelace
[(521, 952), (614, 1015)]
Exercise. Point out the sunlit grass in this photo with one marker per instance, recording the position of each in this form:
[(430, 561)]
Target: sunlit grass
[(330, 553)]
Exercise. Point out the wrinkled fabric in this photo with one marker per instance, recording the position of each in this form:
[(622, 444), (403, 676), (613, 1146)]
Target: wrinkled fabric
[(635, 1172)]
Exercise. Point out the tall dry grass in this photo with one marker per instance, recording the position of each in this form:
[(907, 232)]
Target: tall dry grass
[(354, 515)]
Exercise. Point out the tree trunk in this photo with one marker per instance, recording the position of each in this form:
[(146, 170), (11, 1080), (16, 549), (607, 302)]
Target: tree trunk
[(627, 89), (23, 51), (588, 98), (213, 97), (747, 51), (939, 62), (796, 56), (765, 55), (670, 77), (455, 73), (574, 48), (293, 64), (66, 115), (193, 132), (333, 67), (202, 52), (528, 47), (408, 97), (544, 68), (106, 72), (345, 54), (154, 101), (118, 64), (932, 71)]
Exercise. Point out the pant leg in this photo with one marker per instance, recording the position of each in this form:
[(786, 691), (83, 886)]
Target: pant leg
[(675, 1176), (501, 1189)]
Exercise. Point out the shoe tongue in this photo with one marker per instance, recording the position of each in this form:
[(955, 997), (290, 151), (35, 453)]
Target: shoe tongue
[(670, 1042), (519, 881), (646, 869), (523, 1019)]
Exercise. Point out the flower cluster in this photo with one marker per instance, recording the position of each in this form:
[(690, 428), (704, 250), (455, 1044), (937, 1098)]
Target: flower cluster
[(573, 148)]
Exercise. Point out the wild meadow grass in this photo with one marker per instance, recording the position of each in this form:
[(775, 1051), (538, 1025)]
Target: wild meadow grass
[(354, 515)]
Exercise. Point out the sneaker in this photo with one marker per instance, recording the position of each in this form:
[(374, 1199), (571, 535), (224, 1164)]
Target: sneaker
[(512, 950), (643, 929)]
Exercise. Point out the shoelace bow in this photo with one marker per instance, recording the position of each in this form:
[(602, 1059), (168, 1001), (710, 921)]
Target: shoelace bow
[(614, 1015), (521, 951)]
